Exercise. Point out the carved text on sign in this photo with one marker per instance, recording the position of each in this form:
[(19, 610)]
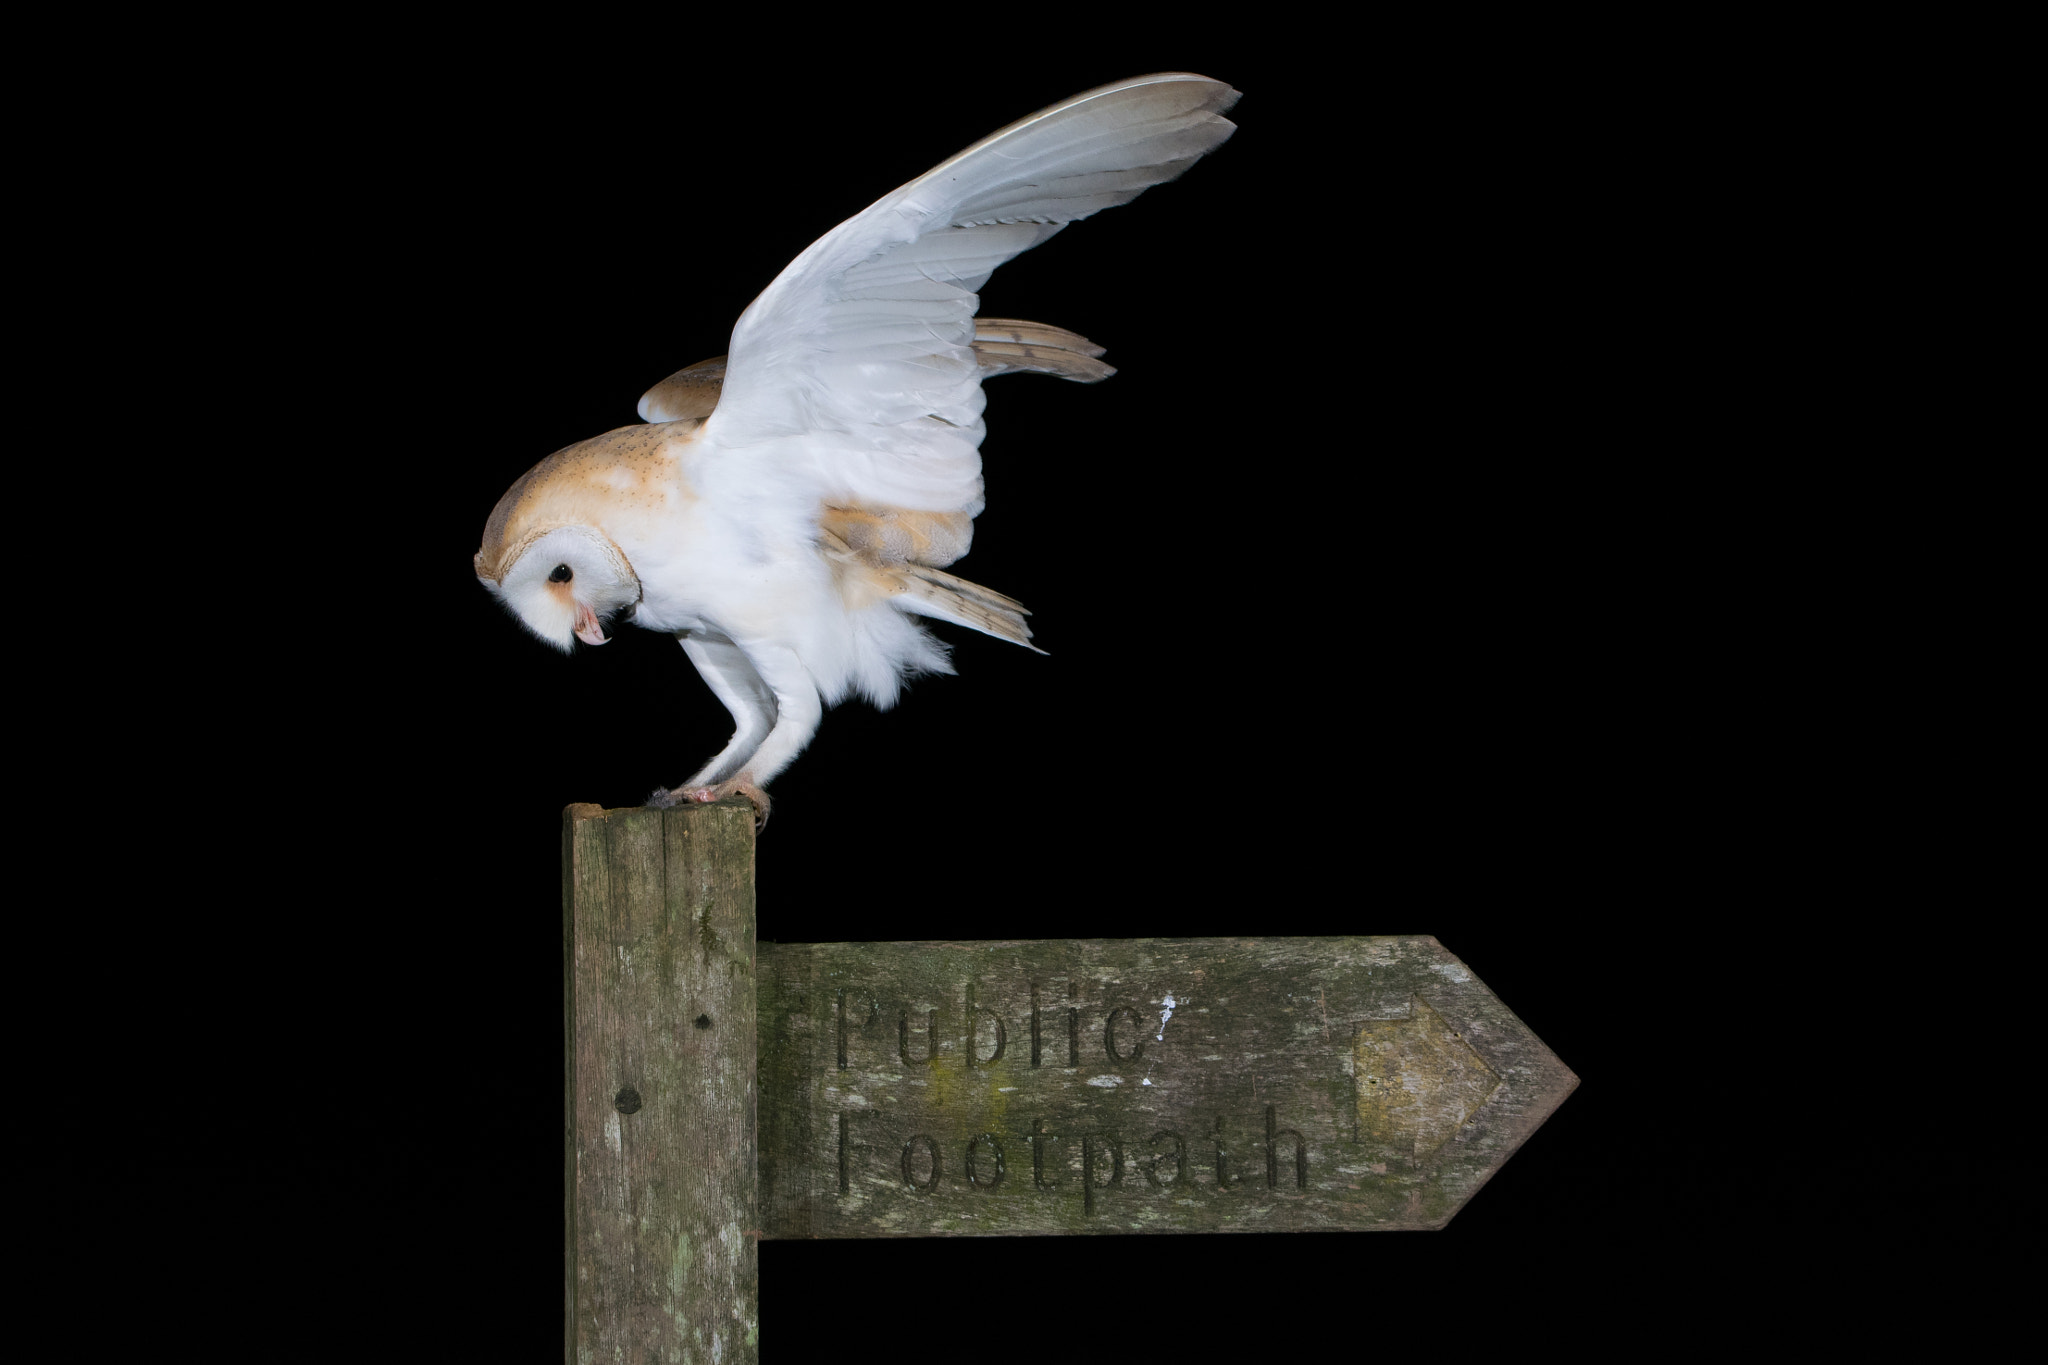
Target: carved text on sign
[(1104, 1158), (920, 1034), (1011, 1087)]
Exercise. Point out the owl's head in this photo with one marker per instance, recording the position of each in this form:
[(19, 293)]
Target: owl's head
[(563, 584)]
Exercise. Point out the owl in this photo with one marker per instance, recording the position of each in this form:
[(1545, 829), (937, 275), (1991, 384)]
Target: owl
[(787, 511)]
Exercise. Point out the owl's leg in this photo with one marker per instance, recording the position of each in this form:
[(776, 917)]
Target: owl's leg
[(775, 707), (731, 677), (725, 668)]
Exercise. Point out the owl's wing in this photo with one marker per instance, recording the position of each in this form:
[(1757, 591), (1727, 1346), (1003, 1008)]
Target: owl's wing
[(855, 370), (1001, 346)]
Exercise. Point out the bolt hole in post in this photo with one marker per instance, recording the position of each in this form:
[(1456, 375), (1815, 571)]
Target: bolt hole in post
[(627, 1101)]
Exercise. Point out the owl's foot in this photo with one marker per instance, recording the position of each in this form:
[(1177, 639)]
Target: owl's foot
[(737, 786)]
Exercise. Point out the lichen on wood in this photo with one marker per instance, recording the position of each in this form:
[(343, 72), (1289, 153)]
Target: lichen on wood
[(659, 1021), (1125, 1086)]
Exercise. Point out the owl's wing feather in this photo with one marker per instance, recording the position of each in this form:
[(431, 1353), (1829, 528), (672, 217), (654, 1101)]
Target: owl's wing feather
[(854, 371), (690, 392), (1001, 346), (1013, 346)]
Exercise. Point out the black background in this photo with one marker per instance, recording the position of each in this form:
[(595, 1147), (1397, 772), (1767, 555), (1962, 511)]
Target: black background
[(1364, 586)]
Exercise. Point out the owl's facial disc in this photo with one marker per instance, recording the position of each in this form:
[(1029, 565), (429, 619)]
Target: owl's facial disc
[(563, 585)]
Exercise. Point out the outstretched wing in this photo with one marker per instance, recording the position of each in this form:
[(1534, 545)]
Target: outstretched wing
[(855, 370)]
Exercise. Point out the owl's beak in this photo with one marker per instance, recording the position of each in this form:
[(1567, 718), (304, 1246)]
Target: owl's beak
[(587, 628)]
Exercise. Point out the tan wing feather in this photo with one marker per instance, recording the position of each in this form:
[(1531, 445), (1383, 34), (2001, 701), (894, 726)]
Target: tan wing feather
[(1011, 346), (689, 392), (892, 535)]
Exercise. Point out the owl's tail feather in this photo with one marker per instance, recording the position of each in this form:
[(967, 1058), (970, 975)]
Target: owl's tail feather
[(934, 592)]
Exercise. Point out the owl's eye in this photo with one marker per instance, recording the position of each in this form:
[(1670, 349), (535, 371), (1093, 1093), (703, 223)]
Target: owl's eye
[(561, 574)]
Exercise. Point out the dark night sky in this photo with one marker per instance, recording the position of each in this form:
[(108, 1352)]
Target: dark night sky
[(1344, 579)]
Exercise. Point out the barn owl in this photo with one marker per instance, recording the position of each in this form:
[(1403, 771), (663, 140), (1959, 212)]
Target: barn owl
[(787, 511)]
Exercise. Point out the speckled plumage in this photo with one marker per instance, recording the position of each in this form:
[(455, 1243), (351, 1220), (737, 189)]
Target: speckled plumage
[(789, 509)]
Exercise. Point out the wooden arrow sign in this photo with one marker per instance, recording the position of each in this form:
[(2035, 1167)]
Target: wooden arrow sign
[(1004, 1088), (1127, 1085)]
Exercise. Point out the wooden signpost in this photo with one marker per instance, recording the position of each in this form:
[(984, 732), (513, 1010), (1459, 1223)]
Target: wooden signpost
[(986, 1088)]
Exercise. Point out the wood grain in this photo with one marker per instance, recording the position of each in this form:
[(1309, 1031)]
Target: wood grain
[(660, 1028), (1129, 1086)]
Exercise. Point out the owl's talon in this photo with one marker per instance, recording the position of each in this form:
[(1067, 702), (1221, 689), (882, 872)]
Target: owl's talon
[(757, 797), (743, 786)]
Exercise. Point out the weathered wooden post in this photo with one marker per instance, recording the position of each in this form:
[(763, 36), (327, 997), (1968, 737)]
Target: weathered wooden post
[(658, 998), (1089, 1086)]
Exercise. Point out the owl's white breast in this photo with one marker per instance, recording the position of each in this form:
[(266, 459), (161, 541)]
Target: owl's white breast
[(749, 572)]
